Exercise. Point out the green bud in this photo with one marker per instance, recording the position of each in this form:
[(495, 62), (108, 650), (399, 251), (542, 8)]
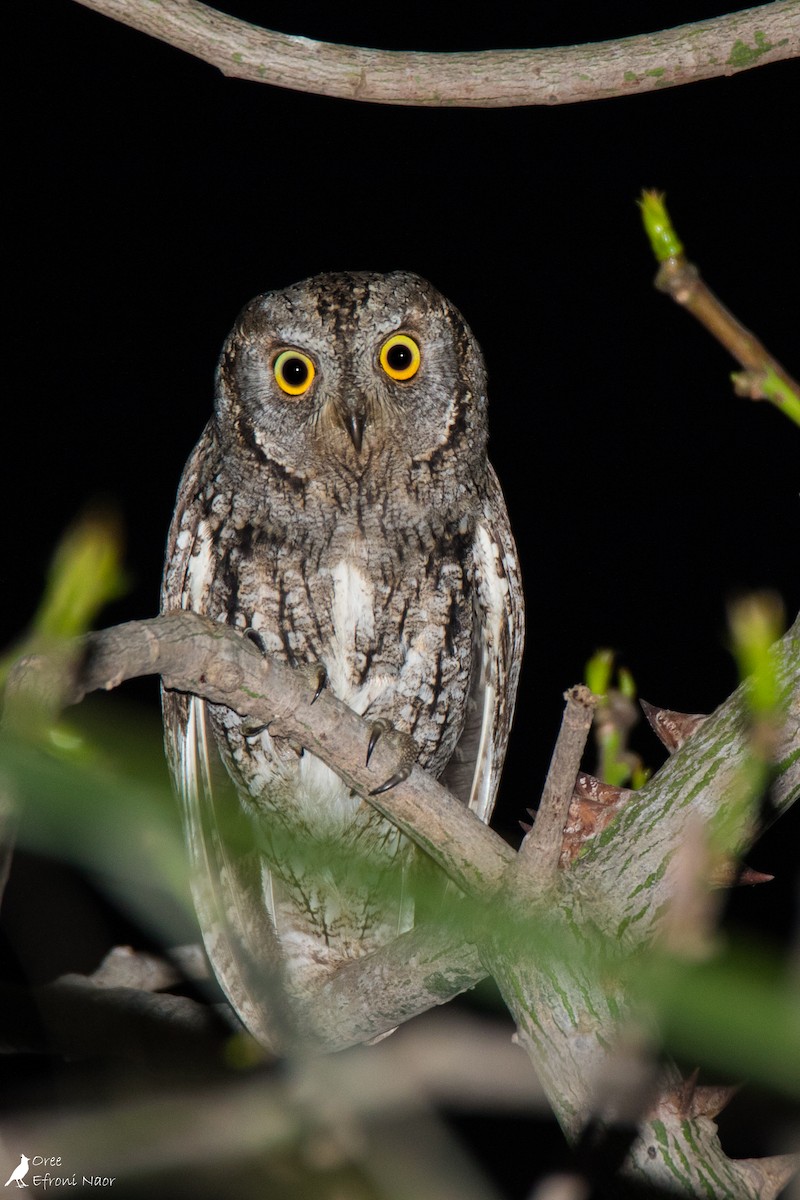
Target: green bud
[(658, 226)]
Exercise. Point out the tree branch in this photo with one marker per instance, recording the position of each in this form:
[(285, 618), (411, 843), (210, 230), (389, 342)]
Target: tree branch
[(428, 965), (193, 654), (480, 79), (572, 1006), (201, 657), (423, 968), (763, 377)]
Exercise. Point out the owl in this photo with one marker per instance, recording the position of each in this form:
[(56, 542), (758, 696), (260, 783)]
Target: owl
[(339, 510)]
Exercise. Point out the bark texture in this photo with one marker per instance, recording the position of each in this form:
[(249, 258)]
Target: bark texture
[(482, 79)]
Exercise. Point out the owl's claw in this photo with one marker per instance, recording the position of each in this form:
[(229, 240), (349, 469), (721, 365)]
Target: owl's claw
[(391, 782), (253, 731), (316, 672), (377, 730), (255, 637), (317, 678), (322, 681), (406, 749)]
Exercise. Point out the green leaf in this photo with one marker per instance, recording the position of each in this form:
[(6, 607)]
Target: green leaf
[(84, 575)]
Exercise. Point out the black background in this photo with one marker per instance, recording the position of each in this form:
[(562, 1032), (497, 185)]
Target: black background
[(151, 197)]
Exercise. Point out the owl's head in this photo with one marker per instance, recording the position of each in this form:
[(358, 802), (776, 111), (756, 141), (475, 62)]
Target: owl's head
[(353, 370)]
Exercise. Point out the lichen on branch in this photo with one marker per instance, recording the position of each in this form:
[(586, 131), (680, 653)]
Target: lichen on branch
[(481, 79)]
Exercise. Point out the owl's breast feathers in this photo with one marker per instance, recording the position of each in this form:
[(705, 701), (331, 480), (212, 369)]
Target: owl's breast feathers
[(391, 620)]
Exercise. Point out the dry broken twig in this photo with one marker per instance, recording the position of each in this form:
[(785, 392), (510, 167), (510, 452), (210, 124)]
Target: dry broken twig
[(540, 854)]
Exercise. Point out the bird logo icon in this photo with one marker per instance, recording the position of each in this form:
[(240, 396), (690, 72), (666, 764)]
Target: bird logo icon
[(18, 1174)]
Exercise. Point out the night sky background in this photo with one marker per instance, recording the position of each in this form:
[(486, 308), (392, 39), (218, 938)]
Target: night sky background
[(151, 198)]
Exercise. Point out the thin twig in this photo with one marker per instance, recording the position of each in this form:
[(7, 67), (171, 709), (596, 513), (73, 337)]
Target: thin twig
[(763, 377), (483, 79), (681, 280)]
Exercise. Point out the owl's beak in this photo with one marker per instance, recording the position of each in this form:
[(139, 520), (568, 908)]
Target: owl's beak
[(355, 427), (354, 420)]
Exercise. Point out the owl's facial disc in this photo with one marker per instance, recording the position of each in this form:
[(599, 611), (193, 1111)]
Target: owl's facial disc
[(399, 358), (353, 370), (294, 373)]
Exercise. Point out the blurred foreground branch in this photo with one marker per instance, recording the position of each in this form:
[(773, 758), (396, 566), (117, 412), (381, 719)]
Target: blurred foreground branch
[(560, 950)]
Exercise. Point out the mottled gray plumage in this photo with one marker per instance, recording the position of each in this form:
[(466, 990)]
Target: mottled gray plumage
[(357, 524)]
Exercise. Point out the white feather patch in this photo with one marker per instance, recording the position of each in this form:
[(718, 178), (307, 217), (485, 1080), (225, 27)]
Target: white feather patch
[(494, 602), (199, 570), (353, 617)]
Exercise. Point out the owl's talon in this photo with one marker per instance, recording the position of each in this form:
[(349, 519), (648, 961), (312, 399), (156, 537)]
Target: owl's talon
[(317, 677), (406, 749), (255, 637), (378, 729), (253, 731), (322, 682), (391, 782)]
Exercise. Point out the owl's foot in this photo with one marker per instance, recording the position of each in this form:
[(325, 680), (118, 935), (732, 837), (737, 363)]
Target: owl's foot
[(316, 673), (253, 731), (402, 743)]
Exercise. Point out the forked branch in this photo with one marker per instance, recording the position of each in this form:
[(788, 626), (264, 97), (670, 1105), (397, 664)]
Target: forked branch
[(570, 1018)]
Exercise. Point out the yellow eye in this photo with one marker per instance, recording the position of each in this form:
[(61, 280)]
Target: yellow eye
[(400, 357), (294, 372)]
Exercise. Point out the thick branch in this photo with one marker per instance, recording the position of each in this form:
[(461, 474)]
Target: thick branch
[(411, 975), (193, 654), (481, 79), (572, 1017)]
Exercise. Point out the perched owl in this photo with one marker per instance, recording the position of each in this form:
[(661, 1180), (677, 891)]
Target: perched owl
[(339, 509)]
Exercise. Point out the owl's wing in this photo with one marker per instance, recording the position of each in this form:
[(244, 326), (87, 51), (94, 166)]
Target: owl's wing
[(225, 871), (473, 774)]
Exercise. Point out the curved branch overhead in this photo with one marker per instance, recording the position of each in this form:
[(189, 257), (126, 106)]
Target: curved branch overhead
[(479, 79)]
